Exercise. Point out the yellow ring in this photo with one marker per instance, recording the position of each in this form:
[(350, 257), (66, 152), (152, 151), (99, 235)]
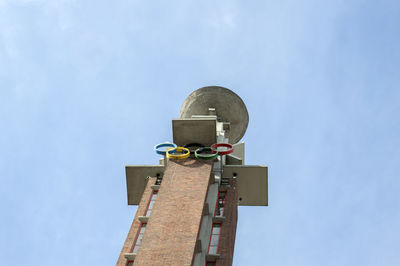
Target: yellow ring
[(178, 156)]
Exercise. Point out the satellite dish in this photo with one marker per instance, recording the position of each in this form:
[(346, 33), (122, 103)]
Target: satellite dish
[(228, 105)]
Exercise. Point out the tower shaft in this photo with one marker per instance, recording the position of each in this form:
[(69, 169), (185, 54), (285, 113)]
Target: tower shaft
[(188, 208), (182, 228)]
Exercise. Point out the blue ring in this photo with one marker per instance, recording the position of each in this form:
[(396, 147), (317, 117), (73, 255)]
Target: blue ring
[(161, 145)]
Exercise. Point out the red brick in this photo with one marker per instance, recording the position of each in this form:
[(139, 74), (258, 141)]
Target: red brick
[(174, 224), (228, 228), (128, 245)]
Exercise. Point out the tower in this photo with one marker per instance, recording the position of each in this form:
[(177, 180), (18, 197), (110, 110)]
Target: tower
[(188, 203)]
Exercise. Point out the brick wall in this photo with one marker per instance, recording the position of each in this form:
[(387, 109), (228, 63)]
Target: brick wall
[(173, 227), (228, 228), (130, 239)]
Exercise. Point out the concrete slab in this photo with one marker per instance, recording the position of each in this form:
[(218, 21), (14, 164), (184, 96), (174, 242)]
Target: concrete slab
[(194, 130), (252, 183), (136, 180), (130, 256), (238, 150), (233, 160)]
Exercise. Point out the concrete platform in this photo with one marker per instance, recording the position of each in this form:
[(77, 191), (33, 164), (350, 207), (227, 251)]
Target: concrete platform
[(136, 180), (194, 130), (252, 183)]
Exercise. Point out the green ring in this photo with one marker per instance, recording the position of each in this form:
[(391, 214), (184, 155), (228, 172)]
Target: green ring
[(205, 157)]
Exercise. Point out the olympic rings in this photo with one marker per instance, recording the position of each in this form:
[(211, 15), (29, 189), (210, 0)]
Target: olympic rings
[(184, 152), (198, 154), (166, 144), (227, 145), (171, 151), (189, 145)]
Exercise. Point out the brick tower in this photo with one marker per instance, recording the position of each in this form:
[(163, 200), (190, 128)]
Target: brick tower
[(188, 208)]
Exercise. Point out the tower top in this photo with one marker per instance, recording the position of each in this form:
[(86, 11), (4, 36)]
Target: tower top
[(222, 102)]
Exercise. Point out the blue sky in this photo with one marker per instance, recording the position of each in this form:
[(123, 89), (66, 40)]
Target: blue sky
[(87, 87)]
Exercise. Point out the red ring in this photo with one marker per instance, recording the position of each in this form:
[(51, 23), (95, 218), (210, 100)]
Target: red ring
[(227, 145)]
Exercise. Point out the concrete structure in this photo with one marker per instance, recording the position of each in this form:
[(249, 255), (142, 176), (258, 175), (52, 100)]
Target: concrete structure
[(187, 211)]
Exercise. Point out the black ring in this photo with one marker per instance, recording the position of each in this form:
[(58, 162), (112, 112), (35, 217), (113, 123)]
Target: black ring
[(189, 145)]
